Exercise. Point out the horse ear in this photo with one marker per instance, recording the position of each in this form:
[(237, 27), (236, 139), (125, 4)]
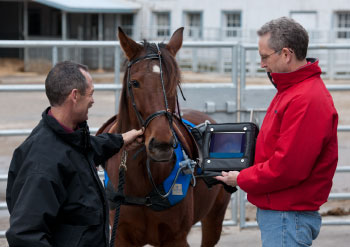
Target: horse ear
[(175, 42), (129, 46)]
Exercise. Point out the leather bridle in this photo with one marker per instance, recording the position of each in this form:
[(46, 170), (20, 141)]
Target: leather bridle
[(167, 112)]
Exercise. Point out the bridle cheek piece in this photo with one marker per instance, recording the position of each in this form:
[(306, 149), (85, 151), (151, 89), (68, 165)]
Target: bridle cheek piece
[(168, 113)]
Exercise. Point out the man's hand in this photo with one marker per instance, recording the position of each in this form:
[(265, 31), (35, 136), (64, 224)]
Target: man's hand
[(133, 138), (229, 178)]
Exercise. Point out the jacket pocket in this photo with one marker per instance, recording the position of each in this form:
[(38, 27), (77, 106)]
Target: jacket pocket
[(68, 235), (83, 218), (82, 228)]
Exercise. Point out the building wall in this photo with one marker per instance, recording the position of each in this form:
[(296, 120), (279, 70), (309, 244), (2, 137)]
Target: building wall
[(318, 16), (254, 13)]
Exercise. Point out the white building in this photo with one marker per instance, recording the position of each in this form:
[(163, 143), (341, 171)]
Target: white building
[(204, 20), (326, 21)]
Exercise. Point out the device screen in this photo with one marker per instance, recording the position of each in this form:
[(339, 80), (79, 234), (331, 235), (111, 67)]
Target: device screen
[(227, 145)]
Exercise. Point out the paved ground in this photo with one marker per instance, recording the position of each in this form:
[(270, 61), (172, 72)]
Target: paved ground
[(337, 236), (22, 110), (233, 237)]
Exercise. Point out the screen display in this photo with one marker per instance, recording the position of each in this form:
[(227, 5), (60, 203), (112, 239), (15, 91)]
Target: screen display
[(227, 145)]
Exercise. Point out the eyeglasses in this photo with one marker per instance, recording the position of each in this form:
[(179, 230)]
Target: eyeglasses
[(264, 57)]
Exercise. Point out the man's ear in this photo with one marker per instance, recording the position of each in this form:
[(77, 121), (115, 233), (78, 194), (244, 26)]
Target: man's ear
[(74, 95), (287, 55)]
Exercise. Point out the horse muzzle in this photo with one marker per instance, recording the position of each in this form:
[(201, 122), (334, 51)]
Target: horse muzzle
[(160, 151)]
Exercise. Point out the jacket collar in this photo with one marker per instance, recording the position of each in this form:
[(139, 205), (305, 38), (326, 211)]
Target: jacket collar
[(283, 81), (80, 138)]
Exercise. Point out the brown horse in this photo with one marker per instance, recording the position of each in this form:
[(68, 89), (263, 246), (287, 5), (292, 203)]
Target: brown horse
[(148, 99)]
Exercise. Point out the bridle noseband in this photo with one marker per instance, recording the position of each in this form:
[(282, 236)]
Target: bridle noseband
[(167, 112)]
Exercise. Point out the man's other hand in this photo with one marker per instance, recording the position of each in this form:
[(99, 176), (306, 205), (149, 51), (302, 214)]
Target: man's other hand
[(229, 178)]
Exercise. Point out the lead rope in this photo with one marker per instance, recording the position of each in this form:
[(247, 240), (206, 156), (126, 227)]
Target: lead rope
[(122, 170)]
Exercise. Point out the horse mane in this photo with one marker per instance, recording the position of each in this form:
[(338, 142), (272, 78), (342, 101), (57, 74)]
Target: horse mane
[(171, 73)]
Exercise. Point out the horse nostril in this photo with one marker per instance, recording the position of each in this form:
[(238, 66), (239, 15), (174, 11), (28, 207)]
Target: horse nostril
[(160, 146), (151, 144)]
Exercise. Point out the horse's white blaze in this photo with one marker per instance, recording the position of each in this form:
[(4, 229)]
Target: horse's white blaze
[(156, 69)]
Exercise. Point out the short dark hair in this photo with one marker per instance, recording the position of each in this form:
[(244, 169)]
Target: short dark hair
[(62, 79), (286, 32)]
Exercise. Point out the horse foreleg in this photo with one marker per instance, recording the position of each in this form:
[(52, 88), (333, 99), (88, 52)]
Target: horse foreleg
[(212, 223)]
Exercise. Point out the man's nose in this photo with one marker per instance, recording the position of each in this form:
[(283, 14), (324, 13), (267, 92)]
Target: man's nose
[(262, 64)]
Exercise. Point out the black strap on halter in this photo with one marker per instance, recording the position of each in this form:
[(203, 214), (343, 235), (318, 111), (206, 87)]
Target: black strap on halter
[(167, 112), (132, 62)]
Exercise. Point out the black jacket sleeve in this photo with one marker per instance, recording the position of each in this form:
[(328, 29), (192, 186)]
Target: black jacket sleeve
[(38, 199), (105, 146)]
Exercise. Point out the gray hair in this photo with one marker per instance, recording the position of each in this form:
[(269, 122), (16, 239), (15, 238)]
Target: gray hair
[(62, 79), (286, 33)]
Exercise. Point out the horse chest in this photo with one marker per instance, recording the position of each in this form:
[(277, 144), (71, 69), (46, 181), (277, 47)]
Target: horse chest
[(145, 226)]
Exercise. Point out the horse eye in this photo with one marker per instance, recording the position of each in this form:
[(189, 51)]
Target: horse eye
[(135, 84)]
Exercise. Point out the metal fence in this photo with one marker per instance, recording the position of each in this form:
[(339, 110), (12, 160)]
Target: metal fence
[(217, 103), (40, 54)]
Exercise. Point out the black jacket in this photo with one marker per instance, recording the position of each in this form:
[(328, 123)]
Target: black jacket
[(54, 194)]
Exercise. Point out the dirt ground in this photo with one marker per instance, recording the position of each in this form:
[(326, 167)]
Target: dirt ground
[(23, 110)]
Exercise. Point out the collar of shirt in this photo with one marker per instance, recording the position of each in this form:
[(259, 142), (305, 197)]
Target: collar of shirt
[(67, 129)]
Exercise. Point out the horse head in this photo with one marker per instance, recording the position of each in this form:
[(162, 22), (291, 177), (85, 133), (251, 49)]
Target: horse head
[(149, 96)]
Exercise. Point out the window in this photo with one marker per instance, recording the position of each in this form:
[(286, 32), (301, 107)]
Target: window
[(34, 21), (343, 25), (127, 22), (193, 22), (232, 23), (309, 20), (162, 20)]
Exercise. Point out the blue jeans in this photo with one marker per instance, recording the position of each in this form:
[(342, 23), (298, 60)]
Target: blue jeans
[(288, 228)]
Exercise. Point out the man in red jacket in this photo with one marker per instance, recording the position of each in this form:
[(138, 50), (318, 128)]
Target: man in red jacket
[(296, 151)]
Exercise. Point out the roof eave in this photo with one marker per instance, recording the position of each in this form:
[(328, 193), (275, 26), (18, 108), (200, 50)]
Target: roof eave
[(88, 10)]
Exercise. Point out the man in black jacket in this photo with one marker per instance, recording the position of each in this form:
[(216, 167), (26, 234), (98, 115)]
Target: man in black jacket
[(54, 194)]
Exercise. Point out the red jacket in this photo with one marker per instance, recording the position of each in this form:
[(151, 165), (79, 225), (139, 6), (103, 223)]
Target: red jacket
[(297, 150)]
